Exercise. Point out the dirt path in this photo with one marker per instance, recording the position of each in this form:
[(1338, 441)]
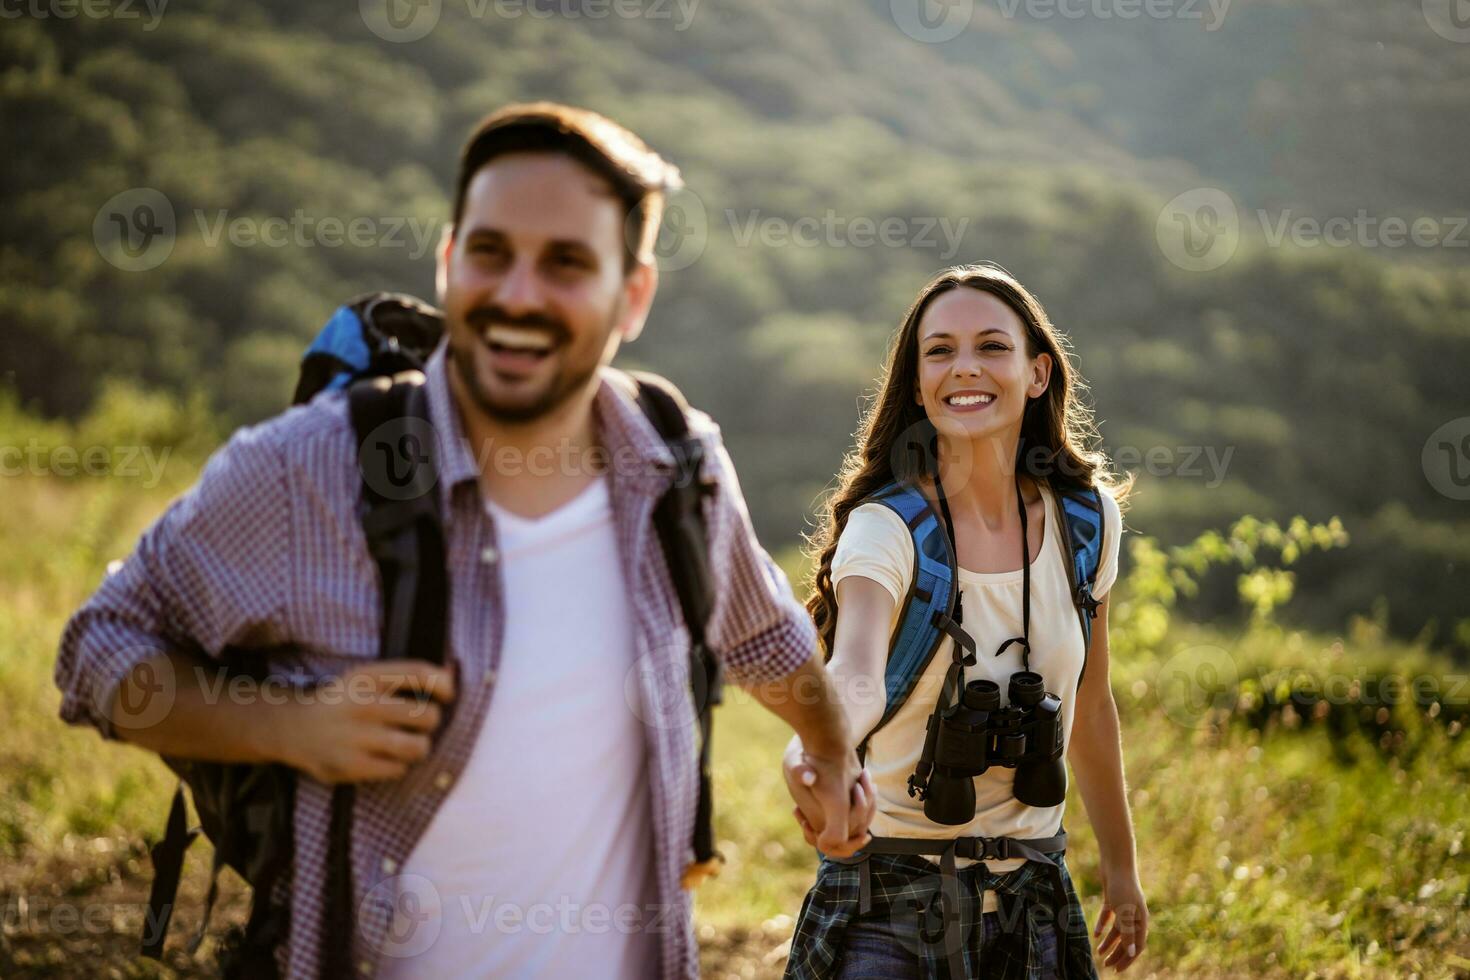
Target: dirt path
[(80, 915)]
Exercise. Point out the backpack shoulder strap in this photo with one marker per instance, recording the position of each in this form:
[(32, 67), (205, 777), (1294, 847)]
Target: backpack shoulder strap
[(399, 511), (680, 514), (679, 519), (930, 600), (400, 517), (1082, 520)]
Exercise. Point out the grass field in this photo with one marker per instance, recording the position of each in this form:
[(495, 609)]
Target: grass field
[(1279, 834)]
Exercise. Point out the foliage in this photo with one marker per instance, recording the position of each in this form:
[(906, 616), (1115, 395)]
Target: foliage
[(1312, 376)]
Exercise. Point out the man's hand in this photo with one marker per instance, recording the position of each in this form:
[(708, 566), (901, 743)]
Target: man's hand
[(835, 801), (367, 724)]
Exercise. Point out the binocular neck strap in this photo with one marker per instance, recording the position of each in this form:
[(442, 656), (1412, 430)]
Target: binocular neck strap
[(1025, 638)]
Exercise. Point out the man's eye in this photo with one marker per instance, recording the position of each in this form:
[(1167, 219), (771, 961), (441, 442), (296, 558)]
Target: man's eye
[(568, 260)]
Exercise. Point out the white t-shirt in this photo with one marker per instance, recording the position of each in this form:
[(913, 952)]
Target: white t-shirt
[(539, 863), (877, 545)]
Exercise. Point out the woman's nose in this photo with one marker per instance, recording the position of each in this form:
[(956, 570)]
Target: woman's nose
[(967, 365)]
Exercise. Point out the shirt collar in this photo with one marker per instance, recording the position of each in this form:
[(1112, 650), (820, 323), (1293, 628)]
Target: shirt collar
[(638, 457), (455, 461)]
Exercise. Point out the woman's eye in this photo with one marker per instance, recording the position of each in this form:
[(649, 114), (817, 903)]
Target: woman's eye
[(937, 350)]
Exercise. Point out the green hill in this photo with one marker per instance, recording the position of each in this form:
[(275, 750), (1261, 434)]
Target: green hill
[(1295, 378)]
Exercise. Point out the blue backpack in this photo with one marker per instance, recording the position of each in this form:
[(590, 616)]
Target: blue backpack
[(933, 591)]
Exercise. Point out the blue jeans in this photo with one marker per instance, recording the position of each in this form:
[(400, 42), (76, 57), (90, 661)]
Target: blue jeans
[(877, 947)]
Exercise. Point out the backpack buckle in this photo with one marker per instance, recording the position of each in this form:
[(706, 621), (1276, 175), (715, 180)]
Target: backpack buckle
[(1086, 601), (988, 848)]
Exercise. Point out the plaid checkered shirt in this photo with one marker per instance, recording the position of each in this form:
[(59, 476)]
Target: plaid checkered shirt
[(266, 551)]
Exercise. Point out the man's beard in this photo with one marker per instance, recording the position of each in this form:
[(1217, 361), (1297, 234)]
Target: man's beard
[(567, 381)]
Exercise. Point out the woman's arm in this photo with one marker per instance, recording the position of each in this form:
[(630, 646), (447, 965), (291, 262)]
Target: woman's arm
[(859, 653), (1096, 755)]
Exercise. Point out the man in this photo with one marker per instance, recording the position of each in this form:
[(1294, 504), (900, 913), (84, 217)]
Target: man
[(548, 786)]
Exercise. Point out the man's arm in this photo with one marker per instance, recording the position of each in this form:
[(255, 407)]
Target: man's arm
[(215, 571), (768, 645), (860, 650), (355, 728), (833, 792)]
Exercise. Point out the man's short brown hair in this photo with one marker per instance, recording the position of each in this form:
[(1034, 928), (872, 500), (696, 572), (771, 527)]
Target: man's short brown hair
[(639, 177)]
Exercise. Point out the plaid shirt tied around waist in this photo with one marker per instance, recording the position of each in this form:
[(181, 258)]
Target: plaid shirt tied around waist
[(946, 902)]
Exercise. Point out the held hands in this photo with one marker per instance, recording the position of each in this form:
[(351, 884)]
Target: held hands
[(834, 798), (368, 724), (1124, 904)]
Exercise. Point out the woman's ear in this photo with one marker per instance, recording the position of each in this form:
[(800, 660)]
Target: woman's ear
[(1040, 375)]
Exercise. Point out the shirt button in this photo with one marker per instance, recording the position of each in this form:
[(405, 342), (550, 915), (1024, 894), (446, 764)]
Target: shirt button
[(390, 866), (490, 555), (443, 780), (490, 675), (365, 968)]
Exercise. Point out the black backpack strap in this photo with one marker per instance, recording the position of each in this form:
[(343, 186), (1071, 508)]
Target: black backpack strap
[(400, 517), (168, 868), (679, 518)]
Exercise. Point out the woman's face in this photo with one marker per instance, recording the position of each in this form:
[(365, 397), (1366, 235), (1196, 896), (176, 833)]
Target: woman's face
[(974, 373)]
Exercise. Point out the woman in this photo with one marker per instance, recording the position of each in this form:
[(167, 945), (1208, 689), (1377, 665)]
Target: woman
[(978, 381)]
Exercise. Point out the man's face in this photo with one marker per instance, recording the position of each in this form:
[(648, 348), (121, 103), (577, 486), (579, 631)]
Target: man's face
[(533, 286)]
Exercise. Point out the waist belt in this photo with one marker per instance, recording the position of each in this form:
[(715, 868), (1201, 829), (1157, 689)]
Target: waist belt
[(948, 850)]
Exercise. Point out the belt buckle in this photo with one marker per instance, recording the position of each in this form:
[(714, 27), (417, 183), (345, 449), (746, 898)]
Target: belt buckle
[(994, 848)]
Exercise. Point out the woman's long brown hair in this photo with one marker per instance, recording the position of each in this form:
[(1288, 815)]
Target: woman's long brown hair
[(894, 437)]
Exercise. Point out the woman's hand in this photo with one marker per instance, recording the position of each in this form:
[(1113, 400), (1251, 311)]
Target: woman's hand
[(1124, 905), (803, 772)]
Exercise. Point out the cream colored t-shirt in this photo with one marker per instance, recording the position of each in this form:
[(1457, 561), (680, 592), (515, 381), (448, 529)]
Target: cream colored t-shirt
[(876, 545)]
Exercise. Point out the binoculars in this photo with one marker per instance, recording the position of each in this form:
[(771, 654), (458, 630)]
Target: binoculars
[(976, 733)]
